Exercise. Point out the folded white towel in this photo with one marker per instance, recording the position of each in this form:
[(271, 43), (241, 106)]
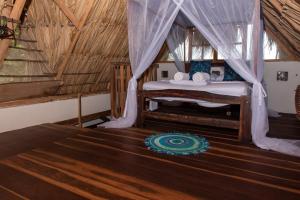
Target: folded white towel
[(190, 83), (200, 77), (181, 76)]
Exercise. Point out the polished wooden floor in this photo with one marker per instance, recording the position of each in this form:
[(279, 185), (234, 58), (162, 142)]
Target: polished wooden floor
[(62, 162)]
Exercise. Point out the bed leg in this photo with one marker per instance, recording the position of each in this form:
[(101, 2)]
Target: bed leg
[(141, 107), (245, 121)]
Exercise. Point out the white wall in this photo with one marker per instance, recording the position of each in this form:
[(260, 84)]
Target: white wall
[(29, 115), (170, 67), (281, 94)]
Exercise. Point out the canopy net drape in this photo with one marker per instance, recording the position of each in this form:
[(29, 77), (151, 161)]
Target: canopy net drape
[(220, 22)]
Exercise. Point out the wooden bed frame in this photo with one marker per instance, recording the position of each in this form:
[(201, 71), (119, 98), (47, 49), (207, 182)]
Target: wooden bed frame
[(243, 124)]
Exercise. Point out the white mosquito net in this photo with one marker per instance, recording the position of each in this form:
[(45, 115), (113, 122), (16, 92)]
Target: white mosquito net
[(149, 24), (175, 42)]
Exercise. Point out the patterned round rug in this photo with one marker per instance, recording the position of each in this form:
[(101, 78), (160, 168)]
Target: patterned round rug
[(177, 143)]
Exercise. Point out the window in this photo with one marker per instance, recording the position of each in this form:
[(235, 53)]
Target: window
[(196, 47), (201, 49), (271, 50), (237, 43), (182, 51)]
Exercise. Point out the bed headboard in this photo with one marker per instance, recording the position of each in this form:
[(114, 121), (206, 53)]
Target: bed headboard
[(214, 63)]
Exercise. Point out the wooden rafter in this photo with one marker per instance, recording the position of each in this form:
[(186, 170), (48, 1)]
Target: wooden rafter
[(82, 21), (282, 21), (285, 31), (284, 12), (68, 13), (15, 14), (281, 41)]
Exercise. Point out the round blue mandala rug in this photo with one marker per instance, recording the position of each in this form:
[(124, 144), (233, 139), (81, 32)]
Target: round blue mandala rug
[(177, 143)]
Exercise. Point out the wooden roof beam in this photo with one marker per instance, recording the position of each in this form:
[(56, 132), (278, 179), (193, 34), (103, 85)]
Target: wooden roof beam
[(284, 31), (83, 19), (67, 12), (283, 11), (15, 14), (281, 42)]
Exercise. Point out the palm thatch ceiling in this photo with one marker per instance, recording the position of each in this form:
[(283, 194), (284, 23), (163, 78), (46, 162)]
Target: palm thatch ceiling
[(78, 40), (282, 22)]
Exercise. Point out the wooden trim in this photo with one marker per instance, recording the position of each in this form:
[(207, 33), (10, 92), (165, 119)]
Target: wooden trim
[(224, 123), (38, 100), (25, 49), (25, 60), (86, 118), (68, 13), (25, 76), (206, 96), (23, 90)]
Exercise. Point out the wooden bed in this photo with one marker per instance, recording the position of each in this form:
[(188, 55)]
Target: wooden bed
[(243, 125)]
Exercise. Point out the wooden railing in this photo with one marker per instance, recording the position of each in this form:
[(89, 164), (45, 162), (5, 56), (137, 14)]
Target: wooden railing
[(120, 76)]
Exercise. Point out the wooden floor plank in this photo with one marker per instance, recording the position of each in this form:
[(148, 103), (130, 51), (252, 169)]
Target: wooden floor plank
[(165, 167), (7, 194), (210, 156), (163, 126), (30, 187), (65, 162), (196, 163), (14, 142), (102, 175), (249, 153)]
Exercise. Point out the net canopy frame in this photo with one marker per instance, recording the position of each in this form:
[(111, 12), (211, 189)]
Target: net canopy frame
[(150, 24)]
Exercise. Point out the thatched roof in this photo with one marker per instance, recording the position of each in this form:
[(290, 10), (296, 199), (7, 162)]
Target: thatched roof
[(282, 20), (60, 44), (101, 41)]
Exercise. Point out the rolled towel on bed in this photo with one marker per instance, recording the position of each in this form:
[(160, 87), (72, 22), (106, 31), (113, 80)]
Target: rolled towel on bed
[(201, 77), (181, 76)]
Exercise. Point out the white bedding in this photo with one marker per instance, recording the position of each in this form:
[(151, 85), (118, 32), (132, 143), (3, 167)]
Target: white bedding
[(231, 88)]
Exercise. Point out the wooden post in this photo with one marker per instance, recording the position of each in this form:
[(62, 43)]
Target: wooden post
[(79, 111), (113, 92), (122, 89), (190, 36), (15, 14), (155, 72), (117, 89), (245, 120), (140, 115), (128, 74), (215, 55)]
